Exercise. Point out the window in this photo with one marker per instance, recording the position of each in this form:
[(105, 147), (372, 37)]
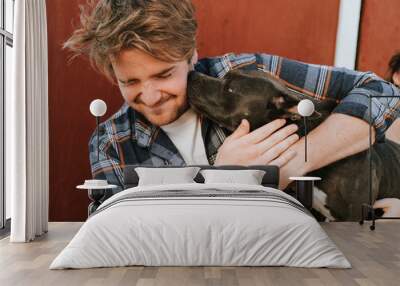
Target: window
[(6, 63)]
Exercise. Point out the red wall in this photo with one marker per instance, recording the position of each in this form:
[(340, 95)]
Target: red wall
[(71, 89), (303, 30), (379, 35), (379, 40)]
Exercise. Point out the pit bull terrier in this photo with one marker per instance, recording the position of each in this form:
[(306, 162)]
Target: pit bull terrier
[(261, 98)]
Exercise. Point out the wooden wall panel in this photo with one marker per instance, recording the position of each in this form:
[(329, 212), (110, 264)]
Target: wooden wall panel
[(303, 30)]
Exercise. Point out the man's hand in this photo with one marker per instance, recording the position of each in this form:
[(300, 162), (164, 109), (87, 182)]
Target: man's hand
[(260, 147)]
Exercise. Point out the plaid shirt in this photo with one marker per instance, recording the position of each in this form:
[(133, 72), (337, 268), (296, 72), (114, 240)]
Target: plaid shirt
[(129, 138)]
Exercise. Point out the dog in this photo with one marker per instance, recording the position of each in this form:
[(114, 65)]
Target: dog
[(260, 98), (254, 95)]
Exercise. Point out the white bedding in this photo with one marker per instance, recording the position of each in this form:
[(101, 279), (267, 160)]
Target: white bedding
[(206, 230)]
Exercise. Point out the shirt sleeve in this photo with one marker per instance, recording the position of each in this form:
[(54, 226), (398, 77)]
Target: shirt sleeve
[(350, 90), (380, 112), (104, 161)]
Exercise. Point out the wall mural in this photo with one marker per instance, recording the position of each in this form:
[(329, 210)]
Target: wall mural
[(233, 90)]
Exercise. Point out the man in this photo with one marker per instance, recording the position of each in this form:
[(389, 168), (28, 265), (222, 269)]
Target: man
[(148, 48), (391, 206), (393, 76), (394, 69)]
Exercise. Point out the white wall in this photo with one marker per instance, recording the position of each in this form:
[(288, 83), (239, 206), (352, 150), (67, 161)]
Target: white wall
[(347, 33)]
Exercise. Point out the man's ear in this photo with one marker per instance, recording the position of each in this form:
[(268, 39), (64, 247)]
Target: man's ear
[(194, 59)]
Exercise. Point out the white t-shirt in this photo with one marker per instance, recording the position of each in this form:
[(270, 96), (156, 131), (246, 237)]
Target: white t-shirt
[(185, 133)]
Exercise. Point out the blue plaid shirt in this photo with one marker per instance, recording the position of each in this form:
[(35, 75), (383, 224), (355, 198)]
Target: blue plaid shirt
[(129, 138)]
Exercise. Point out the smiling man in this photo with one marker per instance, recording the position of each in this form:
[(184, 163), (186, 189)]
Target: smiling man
[(148, 49), (154, 88)]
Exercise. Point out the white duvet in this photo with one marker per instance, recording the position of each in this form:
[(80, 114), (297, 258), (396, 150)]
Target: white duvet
[(207, 230)]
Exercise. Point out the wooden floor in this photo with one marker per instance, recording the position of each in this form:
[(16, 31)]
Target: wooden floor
[(375, 256)]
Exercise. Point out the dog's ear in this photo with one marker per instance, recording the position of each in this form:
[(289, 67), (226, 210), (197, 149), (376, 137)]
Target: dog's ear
[(286, 106), (282, 102), (232, 75), (293, 115), (281, 98)]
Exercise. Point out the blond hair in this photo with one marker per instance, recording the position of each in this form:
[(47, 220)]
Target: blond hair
[(164, 29)]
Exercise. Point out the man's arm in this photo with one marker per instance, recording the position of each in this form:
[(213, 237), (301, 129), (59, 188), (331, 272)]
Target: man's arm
[(348, 88), (337, 137), (346, 131)]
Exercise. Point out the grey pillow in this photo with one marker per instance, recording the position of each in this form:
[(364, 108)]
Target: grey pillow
[(248, 177), (162, 176)]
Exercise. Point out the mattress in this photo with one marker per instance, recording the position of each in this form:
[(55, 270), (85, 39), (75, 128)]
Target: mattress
[(201, 225)]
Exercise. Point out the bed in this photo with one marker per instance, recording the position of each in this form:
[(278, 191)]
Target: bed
[(201, 224)]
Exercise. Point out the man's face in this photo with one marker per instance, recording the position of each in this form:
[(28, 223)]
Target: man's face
[(152, 87)]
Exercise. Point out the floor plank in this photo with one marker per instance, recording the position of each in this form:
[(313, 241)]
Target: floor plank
[(374, 255)]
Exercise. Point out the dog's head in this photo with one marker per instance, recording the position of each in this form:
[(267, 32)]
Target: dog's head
[(254, 95)]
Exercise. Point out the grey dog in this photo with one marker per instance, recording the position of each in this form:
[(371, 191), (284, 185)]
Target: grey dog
[(260, 98)]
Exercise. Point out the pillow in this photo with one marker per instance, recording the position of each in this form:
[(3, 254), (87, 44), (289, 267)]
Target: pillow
[(162, 176), (248, 177)]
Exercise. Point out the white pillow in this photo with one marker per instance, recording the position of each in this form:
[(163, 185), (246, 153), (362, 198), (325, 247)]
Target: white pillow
[(248, 177), (162, 176)]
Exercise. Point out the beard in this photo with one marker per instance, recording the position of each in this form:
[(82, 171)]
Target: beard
[(166, 113)]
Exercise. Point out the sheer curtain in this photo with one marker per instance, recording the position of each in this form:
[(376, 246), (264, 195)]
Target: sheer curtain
[(27, 148)]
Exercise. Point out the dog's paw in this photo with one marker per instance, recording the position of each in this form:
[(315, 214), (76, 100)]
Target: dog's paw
[(319, 204), (390, 207)]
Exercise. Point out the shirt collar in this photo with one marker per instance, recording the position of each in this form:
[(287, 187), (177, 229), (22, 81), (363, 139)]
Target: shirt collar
[(144, 130)]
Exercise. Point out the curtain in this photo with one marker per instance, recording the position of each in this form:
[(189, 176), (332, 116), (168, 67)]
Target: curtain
[(27, 144)]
